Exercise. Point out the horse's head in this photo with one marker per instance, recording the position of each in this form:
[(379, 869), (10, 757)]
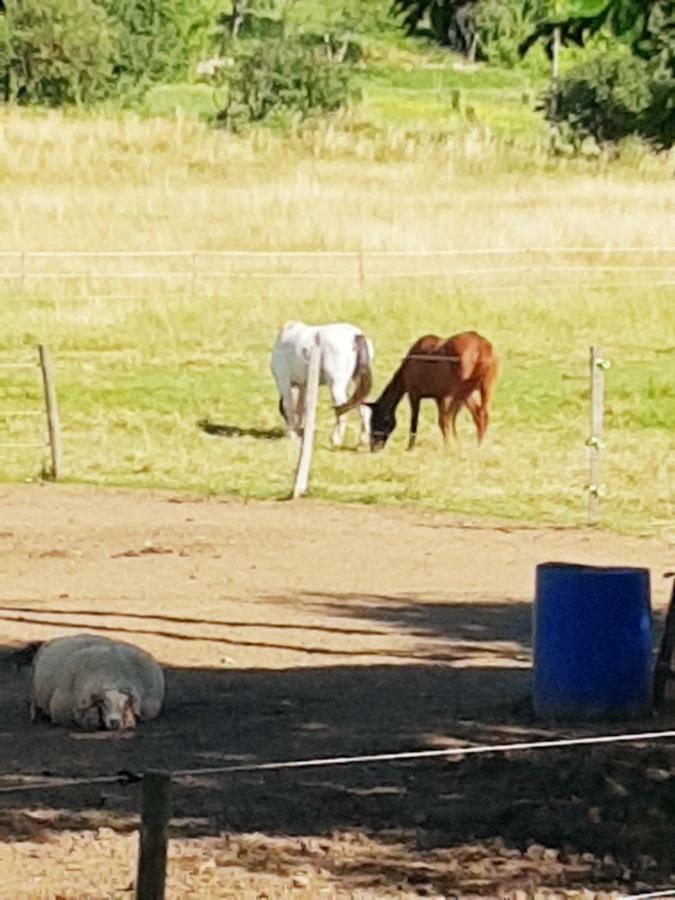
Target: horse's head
[(382, 423)]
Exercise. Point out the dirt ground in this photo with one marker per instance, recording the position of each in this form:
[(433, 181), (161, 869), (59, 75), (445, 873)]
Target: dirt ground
[(310, 630)]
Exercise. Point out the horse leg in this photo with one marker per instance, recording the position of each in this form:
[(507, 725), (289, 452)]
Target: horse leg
[(338, 393), (287, 409), (486, 388), (300, 403), (414, 418), (454, 406), (444, 417), (476, 410), (483, 419), (365, 414)]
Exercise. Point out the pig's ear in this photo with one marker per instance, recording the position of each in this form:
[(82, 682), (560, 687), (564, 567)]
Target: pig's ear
[(91, 700)]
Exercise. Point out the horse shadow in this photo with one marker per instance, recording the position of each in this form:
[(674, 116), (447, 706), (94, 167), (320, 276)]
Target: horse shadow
[(235, 431)]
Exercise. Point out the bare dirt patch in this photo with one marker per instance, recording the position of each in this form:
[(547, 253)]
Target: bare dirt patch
[(309, 630)]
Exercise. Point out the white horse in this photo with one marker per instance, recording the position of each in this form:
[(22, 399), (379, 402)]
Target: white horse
[(346, 354)]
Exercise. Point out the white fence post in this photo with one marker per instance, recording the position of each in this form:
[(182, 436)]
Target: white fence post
[(307, 445)]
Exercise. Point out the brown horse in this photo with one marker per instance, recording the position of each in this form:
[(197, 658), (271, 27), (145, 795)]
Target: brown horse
[(448, 371)]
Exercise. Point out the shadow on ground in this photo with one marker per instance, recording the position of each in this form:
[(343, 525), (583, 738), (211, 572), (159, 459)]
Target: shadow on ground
[(235, 431), (483, 810)]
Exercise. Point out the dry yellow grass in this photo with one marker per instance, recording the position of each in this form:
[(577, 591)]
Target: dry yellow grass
[(130, 183)]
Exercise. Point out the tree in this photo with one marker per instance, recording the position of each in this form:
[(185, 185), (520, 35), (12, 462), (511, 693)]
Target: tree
[(577, 20), (282, 77), (160, 39), (454, 22), (629, 90), (55, 51), (451, 21)]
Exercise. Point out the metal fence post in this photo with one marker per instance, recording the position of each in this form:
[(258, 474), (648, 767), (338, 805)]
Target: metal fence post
[(595, 443)]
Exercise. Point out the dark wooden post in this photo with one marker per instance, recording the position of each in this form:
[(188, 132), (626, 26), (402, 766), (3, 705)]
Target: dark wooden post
[(662, 671), (153, 839), (51, 408)]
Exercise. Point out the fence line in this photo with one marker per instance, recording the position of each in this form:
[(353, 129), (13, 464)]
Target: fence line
[(503, 289), (197, 272), (156, 790), (128, 777), (53, 435), (652, 895), (456, 251)]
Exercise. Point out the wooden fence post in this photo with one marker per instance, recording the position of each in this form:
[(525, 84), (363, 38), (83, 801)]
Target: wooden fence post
[(362, 268), (22, 273), (153, 838), (311, 398), (595, 443), (52, 411), (458, 100)]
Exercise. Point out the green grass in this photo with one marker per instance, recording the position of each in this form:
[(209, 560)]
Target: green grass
[(130, 413)]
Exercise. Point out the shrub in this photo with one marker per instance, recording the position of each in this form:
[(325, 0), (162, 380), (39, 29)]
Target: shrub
[(611, 97), (159, 40), (55, 51), (280, 76)]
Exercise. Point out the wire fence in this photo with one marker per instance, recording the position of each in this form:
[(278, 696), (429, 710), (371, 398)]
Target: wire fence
[(15, 432), (125, 777), (155, 816), (114, 274)]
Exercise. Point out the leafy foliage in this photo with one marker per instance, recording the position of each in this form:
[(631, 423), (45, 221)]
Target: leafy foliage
[(55, 51), (281, 76), (503, 25), (611, 97), (159, 40), (498, 23), (578, 20), (450, 21)]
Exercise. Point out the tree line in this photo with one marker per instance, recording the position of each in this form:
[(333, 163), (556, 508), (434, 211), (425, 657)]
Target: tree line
[(57, 52)]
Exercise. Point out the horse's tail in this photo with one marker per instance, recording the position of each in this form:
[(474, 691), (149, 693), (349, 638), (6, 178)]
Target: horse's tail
[(363, 377)]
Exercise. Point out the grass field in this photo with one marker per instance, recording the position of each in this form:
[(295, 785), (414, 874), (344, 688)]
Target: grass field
[(136, 375)]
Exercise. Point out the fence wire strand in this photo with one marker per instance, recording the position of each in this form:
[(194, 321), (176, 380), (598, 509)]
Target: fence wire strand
[(128, 777)]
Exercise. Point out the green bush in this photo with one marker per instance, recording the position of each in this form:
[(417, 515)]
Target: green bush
[(55, 51), (279, 77), (159, 40), (611, 97)]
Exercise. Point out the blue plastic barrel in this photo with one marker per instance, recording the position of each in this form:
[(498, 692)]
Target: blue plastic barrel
[(592, 642)]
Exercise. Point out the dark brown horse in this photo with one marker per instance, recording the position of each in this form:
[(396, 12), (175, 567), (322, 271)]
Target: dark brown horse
[(449, 371)]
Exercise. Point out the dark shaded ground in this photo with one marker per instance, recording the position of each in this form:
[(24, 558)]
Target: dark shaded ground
[(603, 818)]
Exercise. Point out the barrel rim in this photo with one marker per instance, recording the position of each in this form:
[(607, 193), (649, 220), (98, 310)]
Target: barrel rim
[(590, 569)]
